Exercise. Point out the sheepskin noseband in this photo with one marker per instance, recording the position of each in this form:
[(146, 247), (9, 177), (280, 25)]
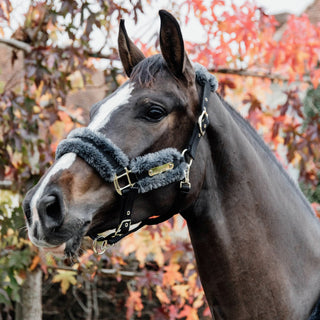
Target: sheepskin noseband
[(148, 172), (143, 173)]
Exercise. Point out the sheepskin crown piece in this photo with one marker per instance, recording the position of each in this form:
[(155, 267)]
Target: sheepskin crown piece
[(204, 76)]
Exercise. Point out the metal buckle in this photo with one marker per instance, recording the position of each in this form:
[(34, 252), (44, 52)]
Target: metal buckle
[(117, 183), (204, 116)]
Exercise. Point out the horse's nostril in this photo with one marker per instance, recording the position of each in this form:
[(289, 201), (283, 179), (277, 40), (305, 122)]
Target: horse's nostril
[(50, 212), (52, 206)]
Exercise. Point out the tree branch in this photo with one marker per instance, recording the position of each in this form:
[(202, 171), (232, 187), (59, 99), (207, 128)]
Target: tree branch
[(263, 75), (5, 184), (106, 272), (240, 72), (100, 55), (20, 45)]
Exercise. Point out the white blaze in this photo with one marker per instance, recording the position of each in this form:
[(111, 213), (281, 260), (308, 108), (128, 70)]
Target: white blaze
[(63, 163), (119, 98), (102, 117)]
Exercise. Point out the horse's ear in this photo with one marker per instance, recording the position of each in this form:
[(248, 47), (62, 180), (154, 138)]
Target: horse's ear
[(171, 43), (130, 55)]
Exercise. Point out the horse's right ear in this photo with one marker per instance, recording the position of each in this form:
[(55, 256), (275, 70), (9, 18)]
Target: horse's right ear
[(129, 53)]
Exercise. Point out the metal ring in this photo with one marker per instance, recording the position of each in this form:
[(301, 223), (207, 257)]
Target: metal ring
[(99, 245)]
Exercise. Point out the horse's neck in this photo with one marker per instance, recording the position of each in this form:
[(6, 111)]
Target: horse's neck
[(255, 241)]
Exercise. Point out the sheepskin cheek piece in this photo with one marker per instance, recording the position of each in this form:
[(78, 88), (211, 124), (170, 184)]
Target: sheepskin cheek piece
[(109, 160)]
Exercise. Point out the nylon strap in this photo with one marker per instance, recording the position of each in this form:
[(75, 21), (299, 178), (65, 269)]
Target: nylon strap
[(202, 124)]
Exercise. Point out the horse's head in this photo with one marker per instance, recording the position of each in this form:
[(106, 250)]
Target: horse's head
[(154, 110)]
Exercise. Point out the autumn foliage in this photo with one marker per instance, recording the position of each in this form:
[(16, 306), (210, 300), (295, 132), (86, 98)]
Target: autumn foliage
[(263, 70)]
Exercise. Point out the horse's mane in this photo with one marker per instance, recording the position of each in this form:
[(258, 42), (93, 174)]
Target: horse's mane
[(144, 73), (258, 141)]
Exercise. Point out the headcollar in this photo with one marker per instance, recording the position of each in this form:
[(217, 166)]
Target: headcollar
[(143, 173)]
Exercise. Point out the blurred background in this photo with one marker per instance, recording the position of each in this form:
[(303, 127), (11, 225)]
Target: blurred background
[(57, 58)]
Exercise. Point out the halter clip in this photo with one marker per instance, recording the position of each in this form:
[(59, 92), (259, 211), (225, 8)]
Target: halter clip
[(185, 184), (100, 245)]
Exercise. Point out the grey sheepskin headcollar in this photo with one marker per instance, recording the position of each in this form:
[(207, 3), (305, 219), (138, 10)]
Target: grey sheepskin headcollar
[(108, 159), (203, 76)]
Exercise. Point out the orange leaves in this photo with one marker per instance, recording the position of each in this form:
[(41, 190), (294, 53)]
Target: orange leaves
[(133, 304), (35, 262), (162, 296), (172, 274), (244, 37), (298, 49), (60, 128), (143, 244), (315, 77), (189, 313)]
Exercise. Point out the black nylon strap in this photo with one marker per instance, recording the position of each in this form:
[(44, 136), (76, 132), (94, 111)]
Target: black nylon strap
[(129, 194), (202, 124), (123, 228), (126, 210)]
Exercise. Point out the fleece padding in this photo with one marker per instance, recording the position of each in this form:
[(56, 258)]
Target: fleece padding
[(203, 76), (108, 159)]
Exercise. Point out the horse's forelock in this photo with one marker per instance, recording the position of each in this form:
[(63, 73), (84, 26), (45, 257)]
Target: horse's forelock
[(144, 73)]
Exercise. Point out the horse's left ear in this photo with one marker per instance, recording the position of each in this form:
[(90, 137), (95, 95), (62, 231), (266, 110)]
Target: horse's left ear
[(171, 43), (129, 53)]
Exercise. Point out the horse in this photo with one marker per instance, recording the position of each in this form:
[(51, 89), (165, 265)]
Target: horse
[(166, 143)]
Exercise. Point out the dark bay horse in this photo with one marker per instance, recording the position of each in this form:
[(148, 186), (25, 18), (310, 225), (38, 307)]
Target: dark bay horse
[(255, 237)]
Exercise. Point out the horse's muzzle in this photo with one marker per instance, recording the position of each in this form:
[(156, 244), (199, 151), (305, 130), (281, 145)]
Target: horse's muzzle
[(47, 224)]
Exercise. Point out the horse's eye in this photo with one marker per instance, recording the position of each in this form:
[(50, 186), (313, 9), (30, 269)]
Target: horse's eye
[(155, 114)]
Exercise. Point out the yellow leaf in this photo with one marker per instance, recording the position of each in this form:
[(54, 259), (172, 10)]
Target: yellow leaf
[(36, 109), (198, 303), (181, 290), (76, 80), (162, 296), (45, 100), (66, 278), (57, 129)]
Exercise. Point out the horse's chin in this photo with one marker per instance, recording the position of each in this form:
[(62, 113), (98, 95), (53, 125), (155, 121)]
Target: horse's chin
[(68, 249), (58, 251)]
